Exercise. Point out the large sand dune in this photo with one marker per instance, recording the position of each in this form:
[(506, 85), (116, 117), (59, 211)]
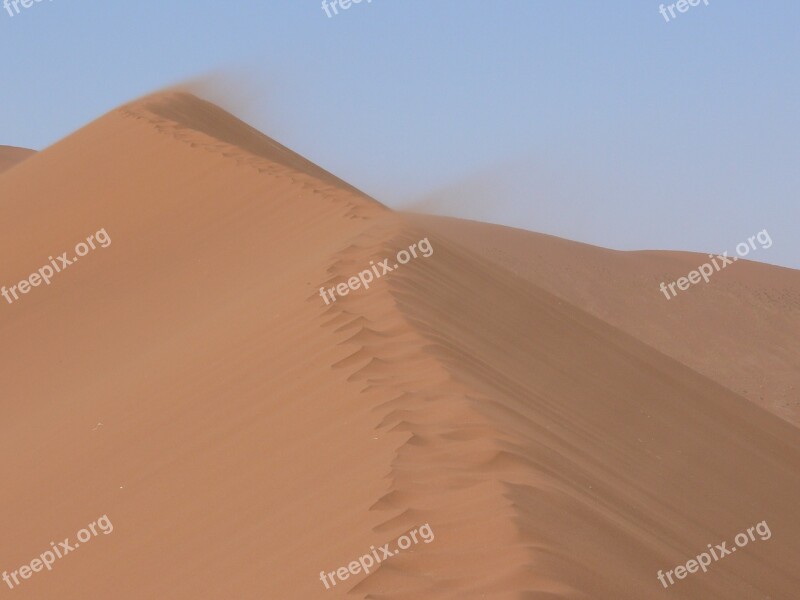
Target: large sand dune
[(539, 418)]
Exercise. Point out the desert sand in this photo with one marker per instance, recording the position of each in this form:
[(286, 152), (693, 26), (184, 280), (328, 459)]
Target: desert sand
[(10, 156), (565, 430), (748, 341)]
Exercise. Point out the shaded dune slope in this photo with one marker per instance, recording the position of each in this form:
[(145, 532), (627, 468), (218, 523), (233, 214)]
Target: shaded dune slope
[(253, 436), (742, 329), (10, 156)]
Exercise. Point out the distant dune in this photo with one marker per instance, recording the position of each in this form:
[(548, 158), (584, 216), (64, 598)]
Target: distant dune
[(565, 430), (10, 156), (741, 329)]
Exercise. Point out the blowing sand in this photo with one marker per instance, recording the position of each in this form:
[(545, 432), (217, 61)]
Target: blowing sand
[(563, 433)]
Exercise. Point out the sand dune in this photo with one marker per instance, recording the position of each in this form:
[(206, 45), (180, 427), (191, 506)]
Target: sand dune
[(10, 156), (741, 329), (253, 436)]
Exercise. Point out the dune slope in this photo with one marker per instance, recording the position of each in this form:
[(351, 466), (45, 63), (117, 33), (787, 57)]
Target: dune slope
[(10, 156), (742, 329), (242, 435)]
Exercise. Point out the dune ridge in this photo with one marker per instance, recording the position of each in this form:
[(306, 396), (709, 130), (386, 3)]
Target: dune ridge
[(254, 436), (541, 440)]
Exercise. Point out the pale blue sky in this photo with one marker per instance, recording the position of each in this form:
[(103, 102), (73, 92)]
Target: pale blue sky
[(596, 121)]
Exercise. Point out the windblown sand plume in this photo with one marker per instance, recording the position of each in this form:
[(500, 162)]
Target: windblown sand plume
[(564, 431)]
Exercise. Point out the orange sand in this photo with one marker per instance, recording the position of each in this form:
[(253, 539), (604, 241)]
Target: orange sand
[(10, 156), (565, 431)]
